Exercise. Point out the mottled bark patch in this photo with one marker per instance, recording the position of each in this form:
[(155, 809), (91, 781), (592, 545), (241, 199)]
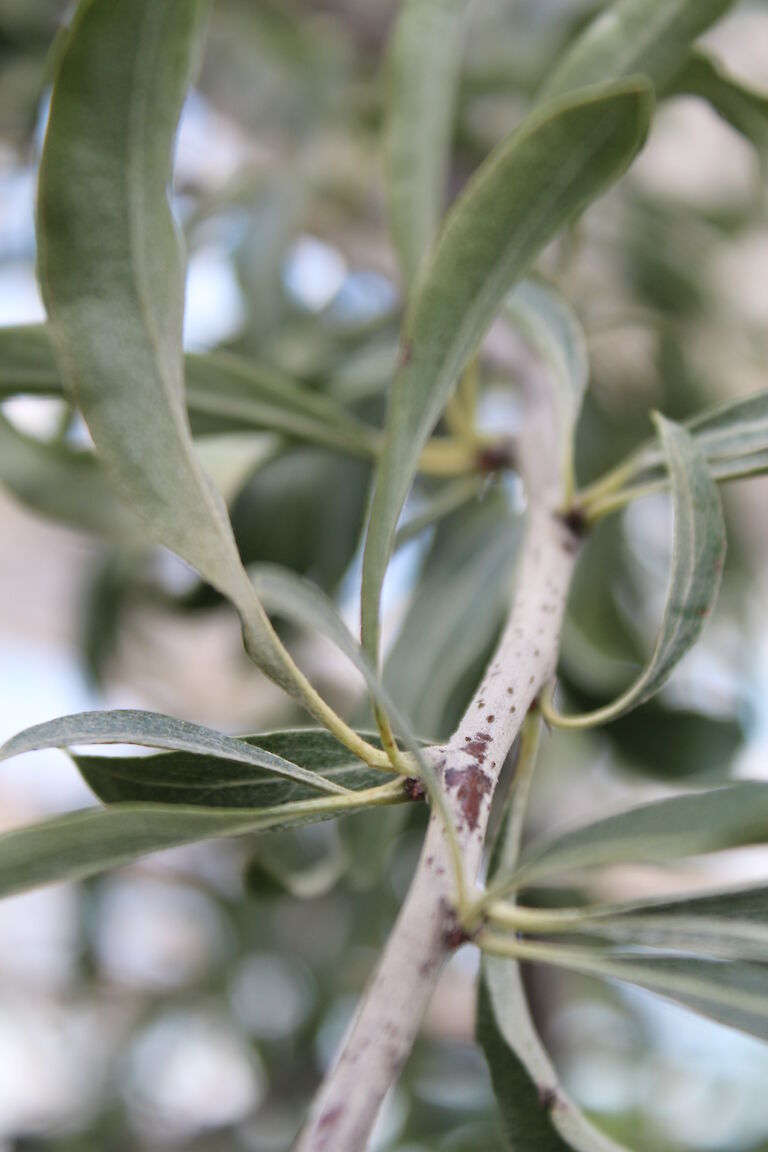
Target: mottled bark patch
[(471, 785)]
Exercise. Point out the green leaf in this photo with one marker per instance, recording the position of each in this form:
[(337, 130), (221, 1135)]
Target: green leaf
[(27, 363), (282, 864), (455, 614), (725, 925), (63, 483), (153, 730), (729, 924), (536, 1114), (92, 841), (205, 780), (538, 180), (735, 994), (303, 511), (673, 932), (112, 273), (111, 265), (423, 79), (709, 821), (631, 36), (224, 393), (698, 555), (302, 603), (552, 327), (745, 109), (227, 392)]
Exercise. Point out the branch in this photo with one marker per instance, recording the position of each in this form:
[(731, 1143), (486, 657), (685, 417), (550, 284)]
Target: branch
[(427, 932)]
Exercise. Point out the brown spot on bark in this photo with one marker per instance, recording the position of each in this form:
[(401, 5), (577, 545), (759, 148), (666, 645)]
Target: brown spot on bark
[(547, 1097), (575, 521), (472, 785), (406, 354), (494, 457), (414, 788), (490, 718)]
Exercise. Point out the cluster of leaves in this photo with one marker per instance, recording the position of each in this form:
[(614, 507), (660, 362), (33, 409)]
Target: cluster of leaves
[(112, 270)]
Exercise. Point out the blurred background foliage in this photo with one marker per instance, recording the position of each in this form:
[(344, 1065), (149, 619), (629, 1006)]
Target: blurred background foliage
[(193, 1000)]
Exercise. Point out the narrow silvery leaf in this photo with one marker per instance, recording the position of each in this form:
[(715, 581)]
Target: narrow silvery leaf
[(27, 364), (675, 932), (698, 553), (538, 180), (112, 274), (712, 821), (727, 434), (631, 36), (63, 483), (423, 78), (153, 730), (198, 780), (224, 393), (92, 841), (233, 393), (735, 994), (299, 601), (112, 269), (728, 924), (549, 323), (536, 1113), (742, 107)]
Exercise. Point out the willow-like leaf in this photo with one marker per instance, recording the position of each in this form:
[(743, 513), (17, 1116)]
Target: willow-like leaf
[(735, 994), (224, 393), (423, 79), (153, 730), (539, 179), (112, 274), (63, 483), (698, 554), (631, 36), (85, 843), (689, 825), (536, 1113), (744, 108), (195, 779)]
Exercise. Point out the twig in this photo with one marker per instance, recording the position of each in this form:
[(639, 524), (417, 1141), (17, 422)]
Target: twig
[(428, 929)]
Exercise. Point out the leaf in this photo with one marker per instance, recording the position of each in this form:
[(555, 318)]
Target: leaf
[(734, 994), (673, 743), (454, 615), (282, 864), (729, 924), (536, 1114), (303, 511), (423, 79), (112, 275), (63, 483), (551, 326), (153, 730), (302, 603), (529, 188), (688, 825), (196, 779), (632, 36), (85, 843), (744, 108), (726, 434), (27, 363), (725, 940), (224, 393), (227, 392), (698, 555)]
